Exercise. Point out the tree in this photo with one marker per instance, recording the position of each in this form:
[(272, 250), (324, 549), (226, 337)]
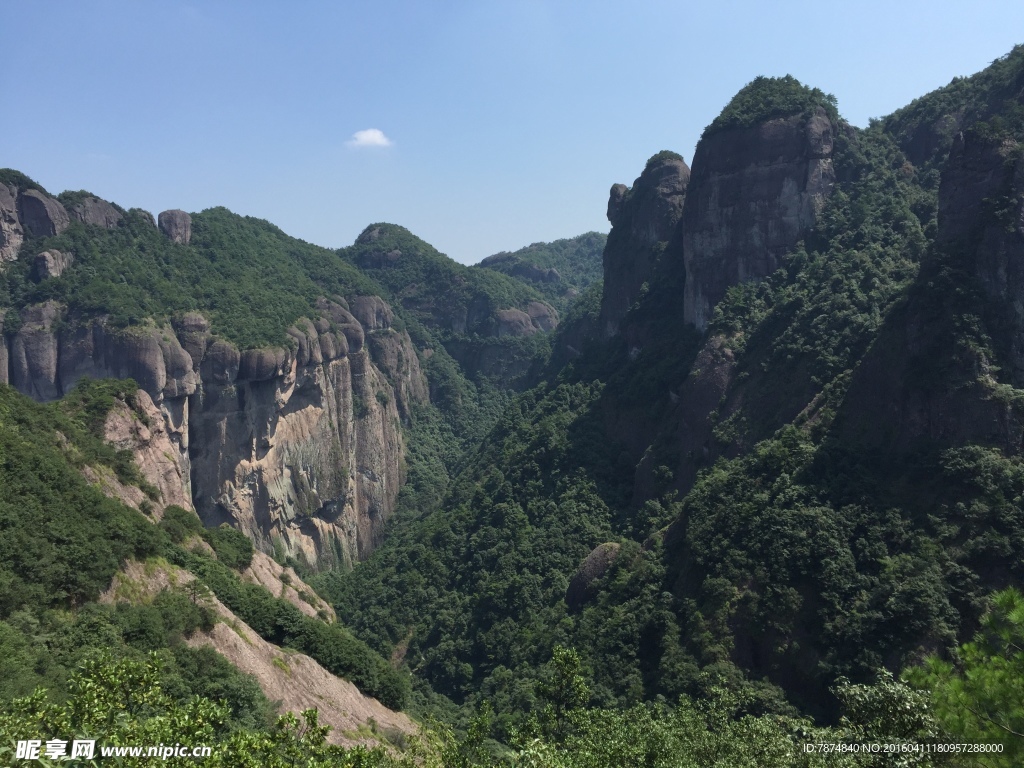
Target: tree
[(564, 690), (979, 698)]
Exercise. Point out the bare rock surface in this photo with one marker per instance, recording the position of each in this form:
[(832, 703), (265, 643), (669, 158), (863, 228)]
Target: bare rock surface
[(285, 583), (298, 446), (160, 451), (177, 225), (754, 193), (644, 218), (12, 234), (593, 567), (293, 680), (33, 354), (372, 312), (514, 322), (96, 211), (40, 214), (542, 315), (51, 264)]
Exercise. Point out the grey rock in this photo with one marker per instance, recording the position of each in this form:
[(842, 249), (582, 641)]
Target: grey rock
[(754, 193), (51, 264), (33, 355), (41, 215), (177, 225), (542, 315), (514, 322), (593, 567), (193, 331), (372, 312), (263, 364), (95, 211), (12, 235)]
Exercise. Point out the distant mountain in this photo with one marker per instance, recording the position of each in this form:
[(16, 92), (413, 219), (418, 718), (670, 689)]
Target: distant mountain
[(560, 270)]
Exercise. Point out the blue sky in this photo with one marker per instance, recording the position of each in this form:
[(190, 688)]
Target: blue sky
[(505, 123)]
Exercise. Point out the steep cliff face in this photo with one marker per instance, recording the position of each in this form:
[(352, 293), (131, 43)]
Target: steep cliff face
[(26, 211), (644, 218), (754, 193), (949, 365), (299, 446)]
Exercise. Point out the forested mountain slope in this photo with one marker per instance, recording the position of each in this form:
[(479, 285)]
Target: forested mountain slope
[(561, 270), (799, 447)]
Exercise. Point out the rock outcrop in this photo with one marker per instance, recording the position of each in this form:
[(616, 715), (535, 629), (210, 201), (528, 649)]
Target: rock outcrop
[(12, 234), (643, 218), (593, 567), (40, 214), (921, 382), (514, 322), (299, 446), (754, 193), (177, 225), (51, 264), (93, 210), (981, 209), (160, 454), (27, 212), (293, 681)]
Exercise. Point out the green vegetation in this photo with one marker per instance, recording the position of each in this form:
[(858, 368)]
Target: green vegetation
[(62, 541), (658, 157), (577, 264), (979, 698), (766, 98), (925, 128), (250, 279)]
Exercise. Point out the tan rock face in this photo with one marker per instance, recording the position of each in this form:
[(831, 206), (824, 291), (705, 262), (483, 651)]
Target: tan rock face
[(299, 447), (754, 193), (285, 583), (643, 220), (161, 451)]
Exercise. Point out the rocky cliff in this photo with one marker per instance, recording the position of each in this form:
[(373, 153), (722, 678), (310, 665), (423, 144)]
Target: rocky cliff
[(754, 193), (26, 211), (644, 218), (949, 365), (298, 446)]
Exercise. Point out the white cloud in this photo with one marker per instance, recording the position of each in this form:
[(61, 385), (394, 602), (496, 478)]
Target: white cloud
[(371, 137)]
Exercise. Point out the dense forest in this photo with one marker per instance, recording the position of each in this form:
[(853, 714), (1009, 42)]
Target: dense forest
[(786, 532)]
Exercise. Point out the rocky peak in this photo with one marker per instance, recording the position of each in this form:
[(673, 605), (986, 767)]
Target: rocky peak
[(755, 192), (643, 219), (40, 214), (93, 210), (177, 225)]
